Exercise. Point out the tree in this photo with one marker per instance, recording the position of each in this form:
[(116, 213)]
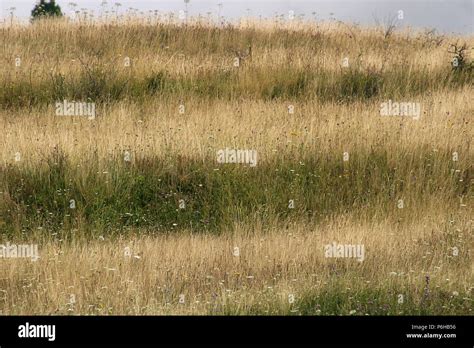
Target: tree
[(46, 9)]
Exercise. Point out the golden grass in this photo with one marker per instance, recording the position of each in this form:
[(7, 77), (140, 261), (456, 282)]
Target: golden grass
[(158, 129), (272, 265), (200, 46), (276, 260)]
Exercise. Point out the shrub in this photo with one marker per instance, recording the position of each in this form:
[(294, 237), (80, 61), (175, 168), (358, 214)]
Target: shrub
[(46, 9)]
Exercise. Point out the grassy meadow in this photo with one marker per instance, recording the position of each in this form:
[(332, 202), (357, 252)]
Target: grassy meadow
[(133, 214)]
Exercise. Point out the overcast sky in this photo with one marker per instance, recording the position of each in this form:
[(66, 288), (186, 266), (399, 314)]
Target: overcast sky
[(446, 16)]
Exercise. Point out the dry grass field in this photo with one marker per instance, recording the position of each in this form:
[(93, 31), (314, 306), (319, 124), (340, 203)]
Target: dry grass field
[(133, 213)]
